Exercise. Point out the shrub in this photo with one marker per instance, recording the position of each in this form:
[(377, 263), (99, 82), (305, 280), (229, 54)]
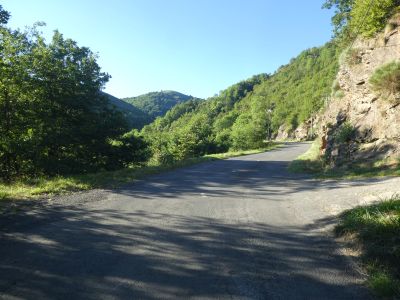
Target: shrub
[(335, 87), (345, 133), (351, 57), (339, 94), (386, 82)]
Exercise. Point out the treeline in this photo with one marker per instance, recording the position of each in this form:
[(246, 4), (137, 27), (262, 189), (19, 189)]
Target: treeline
[(54, 117), (246, 114)]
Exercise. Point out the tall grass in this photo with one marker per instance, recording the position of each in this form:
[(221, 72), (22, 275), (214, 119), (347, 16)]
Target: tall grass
[(376, 230), (311, 162), (386, 82)]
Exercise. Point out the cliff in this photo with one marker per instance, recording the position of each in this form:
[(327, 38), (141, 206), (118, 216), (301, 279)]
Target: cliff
[(358, 122)]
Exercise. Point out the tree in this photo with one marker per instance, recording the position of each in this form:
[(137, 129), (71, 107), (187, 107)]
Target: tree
[(15, 104), (77, 121), (369, 17), (341, 18), (4, 16), (54, 117)]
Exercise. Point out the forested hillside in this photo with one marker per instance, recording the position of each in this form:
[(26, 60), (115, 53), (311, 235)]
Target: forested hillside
[(135, 117), (246, 114), (56, 119), (156, 104)]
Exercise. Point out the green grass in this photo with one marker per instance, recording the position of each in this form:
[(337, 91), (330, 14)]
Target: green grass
[(37, 187), (386, 81), (380, 168), (375, 229), (311, 162)]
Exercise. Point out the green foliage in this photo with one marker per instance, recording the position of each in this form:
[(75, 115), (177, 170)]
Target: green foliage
[(33, 187), (359, 17), (339, 94), (246, 114), (309, 162), (345, 133), (352, 56), (369, 17), (156, 104), (55, 119), (377, 229), (386, 81), (299, 89), (135, 117), (4, 16), (335, 87), (341, 16), (248, 132), (195, 128), (336, 91)]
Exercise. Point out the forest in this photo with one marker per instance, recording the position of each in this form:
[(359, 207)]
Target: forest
[(156, 104), (56, 120)]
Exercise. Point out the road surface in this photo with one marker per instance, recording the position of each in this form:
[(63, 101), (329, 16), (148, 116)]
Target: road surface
[(242, 228)]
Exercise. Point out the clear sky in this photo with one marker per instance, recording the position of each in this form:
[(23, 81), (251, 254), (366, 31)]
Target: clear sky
[(197, 47)]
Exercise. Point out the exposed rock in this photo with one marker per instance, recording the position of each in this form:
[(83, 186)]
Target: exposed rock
[(301, 132), (375, 120), (283, 134), (360, 82)]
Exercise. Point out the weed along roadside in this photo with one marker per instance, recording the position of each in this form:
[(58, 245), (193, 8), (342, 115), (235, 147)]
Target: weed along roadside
[(43, 187), (313, 163), (371, 231), (374, 230)]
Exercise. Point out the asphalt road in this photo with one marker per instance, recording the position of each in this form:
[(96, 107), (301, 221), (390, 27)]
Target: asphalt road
[(242, 228)]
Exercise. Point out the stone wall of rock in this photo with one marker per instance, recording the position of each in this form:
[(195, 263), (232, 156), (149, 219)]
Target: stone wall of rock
[(375, 121)]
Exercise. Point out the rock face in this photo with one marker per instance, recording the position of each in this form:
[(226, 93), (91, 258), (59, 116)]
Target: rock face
[(361, 124)]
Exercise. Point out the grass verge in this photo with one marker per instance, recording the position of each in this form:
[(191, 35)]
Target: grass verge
[(311, 162), (375, 230), (37, 187)]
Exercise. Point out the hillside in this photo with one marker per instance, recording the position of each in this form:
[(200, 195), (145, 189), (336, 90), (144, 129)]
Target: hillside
[(136, 117), (156, 104), (362, 120), (247, 113)]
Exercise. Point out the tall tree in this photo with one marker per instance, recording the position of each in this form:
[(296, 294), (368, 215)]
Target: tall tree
[(4, 16)]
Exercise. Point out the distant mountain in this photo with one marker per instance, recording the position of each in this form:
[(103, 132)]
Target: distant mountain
[(156, 104), (136, 117)]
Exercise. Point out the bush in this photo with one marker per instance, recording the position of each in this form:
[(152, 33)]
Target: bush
[(350, 57), (339, 94), (335, 86), (353, 56), (386, 82), (345, 133)]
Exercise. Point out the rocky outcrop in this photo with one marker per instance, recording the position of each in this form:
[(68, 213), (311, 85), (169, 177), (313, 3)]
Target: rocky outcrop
[(372, 123)]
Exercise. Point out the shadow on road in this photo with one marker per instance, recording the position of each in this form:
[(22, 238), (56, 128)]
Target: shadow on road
[(83, 254), (227, 178), (62, 252)]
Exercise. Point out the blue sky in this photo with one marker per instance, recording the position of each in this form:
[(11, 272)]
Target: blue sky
[(198, 47)]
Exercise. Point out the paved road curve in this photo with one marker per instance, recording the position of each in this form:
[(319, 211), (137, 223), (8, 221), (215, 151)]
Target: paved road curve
[(241, 228)]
